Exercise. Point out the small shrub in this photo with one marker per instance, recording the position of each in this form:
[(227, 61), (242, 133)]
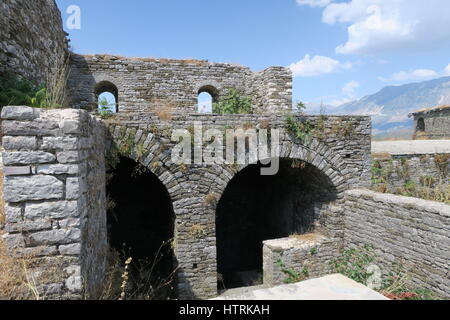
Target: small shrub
[(292, 275), (353, 264), (442, 162), (233, 103), (197, 231), (302, 130)]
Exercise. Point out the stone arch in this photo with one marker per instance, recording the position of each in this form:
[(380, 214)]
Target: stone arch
[(144, 149), (420, 125), (211, 90), (107, 86), (302, 197), (315, 153)]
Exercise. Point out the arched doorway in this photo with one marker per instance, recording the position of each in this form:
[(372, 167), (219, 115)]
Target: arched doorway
[(255, 208), (141, 227)]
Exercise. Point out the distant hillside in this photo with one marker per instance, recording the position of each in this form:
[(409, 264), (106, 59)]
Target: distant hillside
[(390, 106)]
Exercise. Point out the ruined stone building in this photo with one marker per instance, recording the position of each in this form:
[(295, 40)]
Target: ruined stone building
[(77, 186), (432, 123)]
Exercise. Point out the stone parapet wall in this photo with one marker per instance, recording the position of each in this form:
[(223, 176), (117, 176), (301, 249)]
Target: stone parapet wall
[(306, 256), (55, 202), (31, 37), (174, 85), (410, 233), (427, 170)]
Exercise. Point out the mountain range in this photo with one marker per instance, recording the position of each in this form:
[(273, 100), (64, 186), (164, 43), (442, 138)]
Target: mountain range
[(391, 106)]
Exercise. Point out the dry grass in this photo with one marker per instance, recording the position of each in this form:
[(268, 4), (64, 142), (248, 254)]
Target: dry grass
[(109, 57), (381, 156), (309, 237)]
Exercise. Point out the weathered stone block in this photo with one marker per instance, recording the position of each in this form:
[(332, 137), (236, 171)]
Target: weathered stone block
[(74, 188), (12, 214), (18, 189), (28, 226), (33, 157), (60, 143), (19, 113), (58, 169), (70, 127), (31, 128), (70, 250), (59, 236), (55, 210), (68, 157), (20, 143), (17, 171)]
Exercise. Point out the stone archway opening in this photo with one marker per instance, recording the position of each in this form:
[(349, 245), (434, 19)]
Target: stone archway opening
[(255, 208), (107, 96), (141, 227)]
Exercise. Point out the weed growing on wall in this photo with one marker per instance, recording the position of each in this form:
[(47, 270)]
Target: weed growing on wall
[(233, 103), (293, 276), (302, 130)]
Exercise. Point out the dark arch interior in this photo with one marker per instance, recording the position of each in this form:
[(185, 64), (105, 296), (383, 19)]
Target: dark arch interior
[(255, 208), (211, 91), (141, 226), (106, 86), (421, 125)]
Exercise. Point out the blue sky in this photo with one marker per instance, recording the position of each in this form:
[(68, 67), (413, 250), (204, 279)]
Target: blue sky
[(339, 50)]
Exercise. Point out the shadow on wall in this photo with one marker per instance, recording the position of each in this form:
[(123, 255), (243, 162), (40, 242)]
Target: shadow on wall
[(255, 208)]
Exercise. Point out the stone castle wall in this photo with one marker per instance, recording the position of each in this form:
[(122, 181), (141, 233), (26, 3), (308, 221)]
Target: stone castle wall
[(31, 37), (55, 202), (434, 124), (428, 170), (406, 233), (174, 85)]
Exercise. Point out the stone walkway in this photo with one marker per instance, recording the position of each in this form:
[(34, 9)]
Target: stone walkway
[(332, 287), (411, 147)]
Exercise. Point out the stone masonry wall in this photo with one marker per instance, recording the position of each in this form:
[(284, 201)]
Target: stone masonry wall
[(174, 85), (406, 232), (31, 37), (308, 256), (436, 124), (54, 190), (344, 158), (429, 170)]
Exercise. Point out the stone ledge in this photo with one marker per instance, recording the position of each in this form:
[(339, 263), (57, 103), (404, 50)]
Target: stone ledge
[(414, 203)]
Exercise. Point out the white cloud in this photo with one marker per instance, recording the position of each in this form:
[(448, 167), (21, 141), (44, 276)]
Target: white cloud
[(414, 75), (318, 65), (314, 3), (376, 26), (339, 102), (350, 87), (447, 70)]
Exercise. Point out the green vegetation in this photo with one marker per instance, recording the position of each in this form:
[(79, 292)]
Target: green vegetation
[(292, 275), (302, 130), (104, 110), (354, 264), (233, 103), (16, 90)]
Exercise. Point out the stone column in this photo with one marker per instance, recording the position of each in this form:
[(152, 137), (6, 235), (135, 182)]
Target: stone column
[(54, 162)]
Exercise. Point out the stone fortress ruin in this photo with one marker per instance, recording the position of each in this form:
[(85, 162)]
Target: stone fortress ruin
[(76, 186)]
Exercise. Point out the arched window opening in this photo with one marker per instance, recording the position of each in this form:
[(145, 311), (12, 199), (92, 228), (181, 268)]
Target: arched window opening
[(207, 95), (107, 97), (256, 208), (205, 102), (421, 125), (141, 227)]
